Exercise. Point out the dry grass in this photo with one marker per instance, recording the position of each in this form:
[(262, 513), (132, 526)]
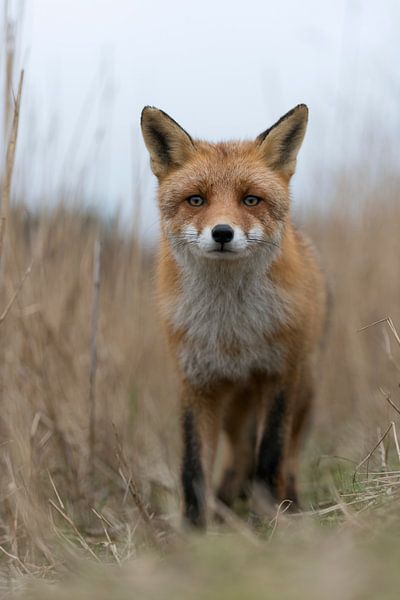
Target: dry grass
[(89, 433), (52, 510)]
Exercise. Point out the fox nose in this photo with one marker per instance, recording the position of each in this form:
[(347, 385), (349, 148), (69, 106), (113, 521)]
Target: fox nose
[(222, 234)]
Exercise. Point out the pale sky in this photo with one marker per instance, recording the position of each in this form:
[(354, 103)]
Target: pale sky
[(221, 68)]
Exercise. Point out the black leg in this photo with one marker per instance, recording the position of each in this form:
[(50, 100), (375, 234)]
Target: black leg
[(271, 452), (291, 492), (193, 482)]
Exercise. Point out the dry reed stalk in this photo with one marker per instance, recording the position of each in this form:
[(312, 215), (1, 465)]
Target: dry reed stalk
[(14, 296), (93, 355), (389, 322), (136, 226), (78, 534), (367, 458), (132, 488), (9, 37), (53, 485), (110, 543), (16, 559), (10, 158), (396, 440), (389, 400), (382, 450), (281, 509), (53, 418)]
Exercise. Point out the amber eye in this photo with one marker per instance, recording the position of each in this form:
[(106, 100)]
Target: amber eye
[(195, 201), (251, 200)]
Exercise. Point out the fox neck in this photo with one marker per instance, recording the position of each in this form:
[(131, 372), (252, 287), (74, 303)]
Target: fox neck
[(202, 279), (224, 276), (225, 310)]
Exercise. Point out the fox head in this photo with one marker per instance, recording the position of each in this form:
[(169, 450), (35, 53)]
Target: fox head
[(223, 201)]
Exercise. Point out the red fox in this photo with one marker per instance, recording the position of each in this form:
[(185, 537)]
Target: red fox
[(242, 299)]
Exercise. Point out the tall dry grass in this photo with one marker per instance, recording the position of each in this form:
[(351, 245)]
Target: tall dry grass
[(45, 367), (89, 437)]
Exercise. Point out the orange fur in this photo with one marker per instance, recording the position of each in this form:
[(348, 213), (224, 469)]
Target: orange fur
[(254, 381)]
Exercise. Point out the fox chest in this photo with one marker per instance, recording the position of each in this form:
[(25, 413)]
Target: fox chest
[(228, 330)]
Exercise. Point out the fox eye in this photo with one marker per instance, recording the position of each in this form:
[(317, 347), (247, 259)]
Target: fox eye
[(251, 200), (195, 201)]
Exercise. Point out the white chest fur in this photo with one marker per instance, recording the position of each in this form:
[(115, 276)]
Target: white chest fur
[(227, 312)]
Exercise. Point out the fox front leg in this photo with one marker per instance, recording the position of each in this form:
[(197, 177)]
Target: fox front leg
[(271, 474), (200, 428)]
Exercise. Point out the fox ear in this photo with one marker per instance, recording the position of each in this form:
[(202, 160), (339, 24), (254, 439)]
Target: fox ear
[(168, 144), (280, 143)]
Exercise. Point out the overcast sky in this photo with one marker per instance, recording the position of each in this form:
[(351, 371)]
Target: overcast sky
[(221, 68)]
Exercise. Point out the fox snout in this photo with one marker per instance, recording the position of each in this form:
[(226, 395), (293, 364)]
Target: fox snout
[(222, 234), (222, 241)]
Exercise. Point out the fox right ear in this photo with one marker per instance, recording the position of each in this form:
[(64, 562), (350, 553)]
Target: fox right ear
[(168, 144), (280, 143)]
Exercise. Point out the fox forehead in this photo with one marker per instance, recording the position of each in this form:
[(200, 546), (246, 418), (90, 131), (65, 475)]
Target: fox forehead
[(224, 164), (221, 172)]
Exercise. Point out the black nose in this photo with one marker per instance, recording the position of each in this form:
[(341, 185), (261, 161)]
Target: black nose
[(222, 234)]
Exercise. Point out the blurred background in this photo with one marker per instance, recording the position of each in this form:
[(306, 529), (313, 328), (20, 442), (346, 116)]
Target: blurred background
[(88, 397), (222, 69)]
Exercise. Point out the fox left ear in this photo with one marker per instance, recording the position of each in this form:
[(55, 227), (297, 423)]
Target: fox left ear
[(167, 142), (280, 143)]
